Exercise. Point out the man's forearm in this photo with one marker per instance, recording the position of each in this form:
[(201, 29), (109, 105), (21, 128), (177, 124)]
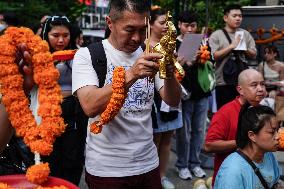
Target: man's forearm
[(94, 100), (222, 53), (251, 53), (220, 146)]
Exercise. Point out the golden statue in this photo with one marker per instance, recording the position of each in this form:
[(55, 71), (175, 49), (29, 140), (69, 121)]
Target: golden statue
[(167, 47)]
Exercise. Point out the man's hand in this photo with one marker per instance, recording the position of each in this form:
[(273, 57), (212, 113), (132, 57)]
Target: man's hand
[(24, 60), (235, 42), (145, 66)]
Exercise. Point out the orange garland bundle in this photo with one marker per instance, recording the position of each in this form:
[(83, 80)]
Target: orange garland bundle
[(6, 186), (39, 138), (281, 138), (64, 55), (117, 99), (204, 54)]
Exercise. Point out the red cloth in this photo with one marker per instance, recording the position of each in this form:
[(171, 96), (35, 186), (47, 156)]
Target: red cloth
[(223, 127)]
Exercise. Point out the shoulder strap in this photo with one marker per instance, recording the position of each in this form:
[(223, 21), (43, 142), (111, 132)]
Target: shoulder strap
[(227, 35), (256, 170), (99, 61)]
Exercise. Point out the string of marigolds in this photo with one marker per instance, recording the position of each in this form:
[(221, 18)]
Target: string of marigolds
[(39, 138), (6, 186), (204, 53), (117, 99)]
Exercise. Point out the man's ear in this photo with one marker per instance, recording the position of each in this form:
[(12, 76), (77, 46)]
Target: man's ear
[(251, 136), (225, 17), (179, 24), (109, 22), (239, 89)]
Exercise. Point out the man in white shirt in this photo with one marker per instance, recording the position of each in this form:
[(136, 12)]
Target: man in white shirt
[(123, 155)]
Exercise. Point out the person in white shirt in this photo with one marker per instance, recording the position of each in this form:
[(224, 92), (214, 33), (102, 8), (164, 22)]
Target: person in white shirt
[(123, 155)]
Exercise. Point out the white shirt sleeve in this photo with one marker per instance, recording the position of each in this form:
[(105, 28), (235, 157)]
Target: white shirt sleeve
[(159, 83), (83, 73)]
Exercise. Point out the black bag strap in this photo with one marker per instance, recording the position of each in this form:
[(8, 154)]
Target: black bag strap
[(99, 61), (256, 170), (227, 35)]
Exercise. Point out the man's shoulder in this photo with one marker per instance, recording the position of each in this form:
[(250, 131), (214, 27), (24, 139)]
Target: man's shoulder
[(217, 32), (230, 106)]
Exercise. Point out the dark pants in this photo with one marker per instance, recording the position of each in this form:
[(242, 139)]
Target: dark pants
[(67, 159), (225, 94), (150, 180)]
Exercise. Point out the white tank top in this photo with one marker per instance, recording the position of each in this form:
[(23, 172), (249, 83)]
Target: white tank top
[(269, 74)]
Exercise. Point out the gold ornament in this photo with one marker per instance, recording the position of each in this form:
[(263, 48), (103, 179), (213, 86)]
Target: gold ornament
[(166, 47)]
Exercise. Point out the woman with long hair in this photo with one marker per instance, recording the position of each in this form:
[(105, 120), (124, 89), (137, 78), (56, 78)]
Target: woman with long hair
[(67, 158)]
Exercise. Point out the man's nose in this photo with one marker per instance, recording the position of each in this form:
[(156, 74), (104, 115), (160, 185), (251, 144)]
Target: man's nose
[(136, 37), (189, 29)]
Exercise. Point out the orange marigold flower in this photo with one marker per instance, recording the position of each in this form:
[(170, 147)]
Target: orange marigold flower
[(38, 173), (116, 100), (5, 186)]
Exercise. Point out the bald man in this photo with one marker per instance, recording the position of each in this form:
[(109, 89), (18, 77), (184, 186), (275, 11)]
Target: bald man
[(221, 134)]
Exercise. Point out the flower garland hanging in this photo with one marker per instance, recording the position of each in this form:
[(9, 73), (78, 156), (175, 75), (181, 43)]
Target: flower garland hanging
[(117, 99), (39, 138), (204, 53), (63, 55)]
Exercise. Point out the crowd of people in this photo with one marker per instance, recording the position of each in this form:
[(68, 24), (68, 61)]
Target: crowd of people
[(133, 149)]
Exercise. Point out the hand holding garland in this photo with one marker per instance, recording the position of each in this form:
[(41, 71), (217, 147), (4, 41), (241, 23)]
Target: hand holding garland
[(38, 138)]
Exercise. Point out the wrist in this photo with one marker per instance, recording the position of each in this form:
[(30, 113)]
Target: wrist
[(129, 78)]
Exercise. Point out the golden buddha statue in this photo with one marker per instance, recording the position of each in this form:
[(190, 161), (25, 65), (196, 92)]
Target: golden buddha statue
[(167, 47)]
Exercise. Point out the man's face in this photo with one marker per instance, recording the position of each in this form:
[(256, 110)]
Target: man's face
[(186, 27), (253, 88), (128, 31), (234, 18)]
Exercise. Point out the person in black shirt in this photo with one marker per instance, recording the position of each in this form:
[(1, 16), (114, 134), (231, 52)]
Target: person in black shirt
[(190, 137)]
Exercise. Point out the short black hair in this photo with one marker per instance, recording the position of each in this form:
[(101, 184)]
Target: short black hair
[(118, 6), (10, 18), (187, 17), (155, 13), (230, 7), (252, 118)]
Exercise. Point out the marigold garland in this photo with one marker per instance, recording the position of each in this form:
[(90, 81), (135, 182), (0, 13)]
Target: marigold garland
[(281, 138), (64, 55), (39, 138), (117, 99), (204, 54), (6, 186)]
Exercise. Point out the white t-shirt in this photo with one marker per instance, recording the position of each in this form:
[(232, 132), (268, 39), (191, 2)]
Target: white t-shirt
[(125, 146)]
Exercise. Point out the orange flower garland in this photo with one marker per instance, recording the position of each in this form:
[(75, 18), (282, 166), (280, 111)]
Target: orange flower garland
[(116, 101), (6, 186), (281, 138), (39, 138), (64, 55), (204, 54)]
